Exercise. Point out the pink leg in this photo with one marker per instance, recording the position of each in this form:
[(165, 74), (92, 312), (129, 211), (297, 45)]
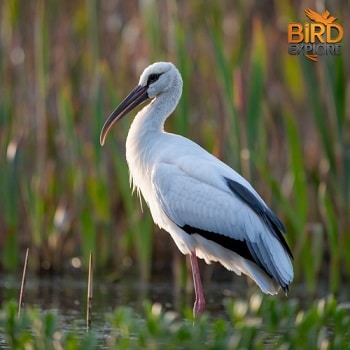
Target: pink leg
[(199, 304)]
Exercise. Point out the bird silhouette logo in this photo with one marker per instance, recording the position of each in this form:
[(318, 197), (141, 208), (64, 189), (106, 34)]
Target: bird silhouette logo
[(320, 17), (321, 36)]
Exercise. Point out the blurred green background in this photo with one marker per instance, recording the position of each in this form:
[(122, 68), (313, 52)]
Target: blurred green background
[(282, 121)]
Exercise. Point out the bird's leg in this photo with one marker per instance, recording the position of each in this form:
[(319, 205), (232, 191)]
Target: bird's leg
[(199, 304)]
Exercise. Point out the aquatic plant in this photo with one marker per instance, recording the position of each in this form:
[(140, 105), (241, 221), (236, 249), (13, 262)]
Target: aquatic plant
[(260, 323)]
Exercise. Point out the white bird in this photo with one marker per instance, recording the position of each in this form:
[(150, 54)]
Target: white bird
[(210, 211)]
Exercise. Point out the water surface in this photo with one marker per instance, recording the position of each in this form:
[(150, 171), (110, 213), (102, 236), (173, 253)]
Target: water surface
[(67, 298)]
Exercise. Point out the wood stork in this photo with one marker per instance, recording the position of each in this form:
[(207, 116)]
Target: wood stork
[(209, 210)]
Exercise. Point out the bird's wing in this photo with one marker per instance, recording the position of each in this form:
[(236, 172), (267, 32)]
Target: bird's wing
[(203, 196), (313, 15)]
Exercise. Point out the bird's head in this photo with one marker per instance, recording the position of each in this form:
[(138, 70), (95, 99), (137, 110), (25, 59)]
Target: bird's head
[(156, 79)]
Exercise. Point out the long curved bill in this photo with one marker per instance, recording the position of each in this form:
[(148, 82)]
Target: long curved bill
[(136, 97)]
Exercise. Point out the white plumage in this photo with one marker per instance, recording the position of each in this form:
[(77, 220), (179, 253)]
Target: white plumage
[(209, 209)]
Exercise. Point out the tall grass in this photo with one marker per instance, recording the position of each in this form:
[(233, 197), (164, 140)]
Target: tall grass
[(282, 121)]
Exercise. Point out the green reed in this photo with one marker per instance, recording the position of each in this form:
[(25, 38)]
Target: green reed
[(259, 323)]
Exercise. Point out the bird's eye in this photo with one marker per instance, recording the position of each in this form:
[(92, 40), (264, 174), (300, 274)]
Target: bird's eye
[(152, 78)]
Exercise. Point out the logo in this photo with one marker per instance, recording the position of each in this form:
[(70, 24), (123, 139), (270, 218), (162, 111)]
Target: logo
[(320, 37)]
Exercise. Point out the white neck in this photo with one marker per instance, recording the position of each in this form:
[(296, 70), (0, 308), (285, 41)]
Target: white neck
[(152, 117), (141, 143)]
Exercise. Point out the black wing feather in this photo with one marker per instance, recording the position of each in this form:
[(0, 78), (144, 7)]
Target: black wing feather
[(269, 218), (235, 245)]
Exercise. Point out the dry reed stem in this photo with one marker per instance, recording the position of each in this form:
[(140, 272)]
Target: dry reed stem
[(24, 275), (89, 293)]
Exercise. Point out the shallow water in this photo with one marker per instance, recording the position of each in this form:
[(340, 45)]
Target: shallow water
[(67, 298), (68, 295)]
